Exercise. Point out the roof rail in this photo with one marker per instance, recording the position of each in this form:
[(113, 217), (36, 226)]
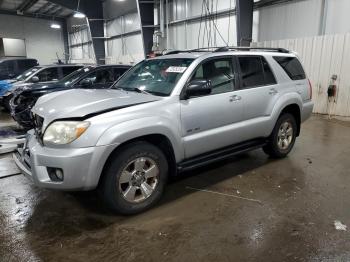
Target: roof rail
[(250, 48), (226, 49)]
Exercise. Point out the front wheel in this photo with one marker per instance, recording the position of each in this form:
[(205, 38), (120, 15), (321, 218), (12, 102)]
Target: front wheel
[(283, 137), (135, 178)]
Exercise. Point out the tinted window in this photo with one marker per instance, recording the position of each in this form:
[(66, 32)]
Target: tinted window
[(49, 74), (25, 64), (219, 72), (118, 72), (255, 71), (291, 66), (103, 76), (66, 70)]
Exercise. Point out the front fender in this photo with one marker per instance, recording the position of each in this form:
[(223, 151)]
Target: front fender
[(135, 128)]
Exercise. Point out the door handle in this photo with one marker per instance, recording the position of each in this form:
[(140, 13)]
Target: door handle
[(273, 91), (235, 98)]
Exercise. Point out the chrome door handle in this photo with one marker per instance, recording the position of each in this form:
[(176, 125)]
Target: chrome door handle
[(235, 98), (273, 91)]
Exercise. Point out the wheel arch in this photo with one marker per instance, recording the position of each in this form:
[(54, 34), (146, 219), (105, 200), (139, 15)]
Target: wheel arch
[(295, 111), (161, 141)]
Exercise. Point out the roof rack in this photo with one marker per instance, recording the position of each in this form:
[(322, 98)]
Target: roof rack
[(226, 49)]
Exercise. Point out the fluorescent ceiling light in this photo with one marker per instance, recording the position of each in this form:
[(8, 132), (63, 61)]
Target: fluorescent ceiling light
[(55, 26), (79, 15)]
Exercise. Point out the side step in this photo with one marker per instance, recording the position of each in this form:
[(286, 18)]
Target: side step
[(220, 154)]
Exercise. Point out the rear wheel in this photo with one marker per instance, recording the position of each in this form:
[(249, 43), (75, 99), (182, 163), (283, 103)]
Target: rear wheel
[(135, 178), (283, 137)]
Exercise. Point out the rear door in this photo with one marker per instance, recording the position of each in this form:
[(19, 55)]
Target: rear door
[(259, 94), (207, 122)]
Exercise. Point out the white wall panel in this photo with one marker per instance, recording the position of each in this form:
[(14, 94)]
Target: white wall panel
[(338, 18), (42, 42), (322, 57), (290, 20)]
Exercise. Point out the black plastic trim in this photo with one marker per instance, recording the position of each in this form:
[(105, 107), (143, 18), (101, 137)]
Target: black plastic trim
[(220, 154)]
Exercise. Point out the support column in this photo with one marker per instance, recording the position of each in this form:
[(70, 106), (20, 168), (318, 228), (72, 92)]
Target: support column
[(244, 16), (146, 13)]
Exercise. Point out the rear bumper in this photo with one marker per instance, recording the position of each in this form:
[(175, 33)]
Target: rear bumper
[(307, 110), (81, 167)]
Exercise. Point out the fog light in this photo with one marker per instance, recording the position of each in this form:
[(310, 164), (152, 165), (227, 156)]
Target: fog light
[(55, 174)]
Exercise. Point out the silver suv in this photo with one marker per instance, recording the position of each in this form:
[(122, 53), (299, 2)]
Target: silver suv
[(166, 115)]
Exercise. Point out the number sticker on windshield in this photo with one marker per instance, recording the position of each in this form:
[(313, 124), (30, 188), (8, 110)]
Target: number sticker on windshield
[(176, 69)]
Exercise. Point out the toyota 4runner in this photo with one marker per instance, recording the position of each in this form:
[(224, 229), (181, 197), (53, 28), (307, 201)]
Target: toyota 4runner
[(165, 115)]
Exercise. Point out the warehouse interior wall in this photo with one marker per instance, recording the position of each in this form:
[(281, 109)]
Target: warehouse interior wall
[(41, 41), (124, 44), (80, 42)]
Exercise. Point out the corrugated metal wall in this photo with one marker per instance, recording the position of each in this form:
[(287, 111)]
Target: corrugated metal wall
[(304, 18), (124, 49), (187, 35), (322, 57)]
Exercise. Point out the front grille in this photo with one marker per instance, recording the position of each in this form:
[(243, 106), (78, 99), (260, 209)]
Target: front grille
[(38, 127)]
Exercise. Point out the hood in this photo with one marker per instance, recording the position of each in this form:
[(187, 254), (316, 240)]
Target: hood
[(77, 103)]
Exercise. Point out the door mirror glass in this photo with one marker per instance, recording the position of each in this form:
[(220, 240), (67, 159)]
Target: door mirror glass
[(198, 87), (86, 83), (35, 79)]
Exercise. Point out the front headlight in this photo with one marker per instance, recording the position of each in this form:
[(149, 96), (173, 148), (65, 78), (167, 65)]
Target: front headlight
[(64, 132)]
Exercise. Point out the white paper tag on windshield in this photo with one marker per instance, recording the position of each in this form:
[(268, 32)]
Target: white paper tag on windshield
[(176, 69)]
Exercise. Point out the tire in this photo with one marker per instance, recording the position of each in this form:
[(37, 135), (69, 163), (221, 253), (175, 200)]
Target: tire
[(124, 187), (281, 141)]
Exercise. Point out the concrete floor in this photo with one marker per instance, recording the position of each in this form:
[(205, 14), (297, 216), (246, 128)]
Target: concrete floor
[(300, 198)]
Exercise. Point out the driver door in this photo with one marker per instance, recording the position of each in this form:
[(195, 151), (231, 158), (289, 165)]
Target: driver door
[(208, 122)]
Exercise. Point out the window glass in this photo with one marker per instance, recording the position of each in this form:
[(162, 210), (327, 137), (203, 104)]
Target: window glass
[(27, 73), (155, 76), (252, 71), (103, 76), (219, 72), (291, 66), (269, 77), (118, 72), (48, 74), (25, 64), (66, 70)]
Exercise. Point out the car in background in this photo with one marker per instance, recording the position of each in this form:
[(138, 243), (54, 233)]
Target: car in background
[(38, 74), (89, 77), (12, 67)]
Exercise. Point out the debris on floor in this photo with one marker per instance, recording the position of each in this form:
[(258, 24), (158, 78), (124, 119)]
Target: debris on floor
[(224, 194), (339, 225), (8, 168)]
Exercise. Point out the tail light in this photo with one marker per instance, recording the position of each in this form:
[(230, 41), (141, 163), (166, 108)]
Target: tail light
[(310, 89)]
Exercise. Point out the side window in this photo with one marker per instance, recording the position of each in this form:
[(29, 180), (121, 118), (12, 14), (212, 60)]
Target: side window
[(252, 71), (66, 70), (49, 74), (118, 72), (291, 66), (269, 77), (103, 76), (220, 72)]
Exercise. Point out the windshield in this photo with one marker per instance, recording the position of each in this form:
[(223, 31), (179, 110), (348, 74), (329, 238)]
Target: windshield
[(156, 76), (28, 73), (72, 77)]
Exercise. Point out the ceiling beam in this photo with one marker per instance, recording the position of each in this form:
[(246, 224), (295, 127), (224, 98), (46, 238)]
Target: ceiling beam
[(27, 4), (50, 10), (43, 8), (57, 11)]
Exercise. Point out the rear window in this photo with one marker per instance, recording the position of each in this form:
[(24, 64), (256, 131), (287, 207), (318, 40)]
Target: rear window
[(291, 66), (255, 71)]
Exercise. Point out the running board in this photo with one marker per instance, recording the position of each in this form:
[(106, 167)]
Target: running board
[(220, 154)]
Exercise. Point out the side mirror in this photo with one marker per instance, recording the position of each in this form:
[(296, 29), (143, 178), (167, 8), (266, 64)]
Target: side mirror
[(86, 83), (198, 87), (35, 79)]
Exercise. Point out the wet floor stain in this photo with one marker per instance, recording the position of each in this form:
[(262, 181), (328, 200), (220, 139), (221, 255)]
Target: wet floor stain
[(301, 197)]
